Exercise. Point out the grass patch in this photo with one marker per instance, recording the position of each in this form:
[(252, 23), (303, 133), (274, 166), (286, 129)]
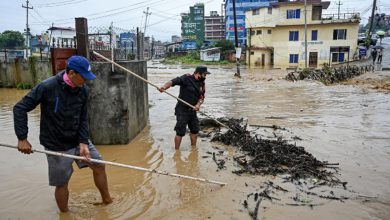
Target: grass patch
[(192, 58)]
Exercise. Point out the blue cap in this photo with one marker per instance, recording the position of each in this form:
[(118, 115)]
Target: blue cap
[(81, 65)]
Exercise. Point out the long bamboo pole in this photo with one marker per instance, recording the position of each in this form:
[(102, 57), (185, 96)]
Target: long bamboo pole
[(154, 85), (121, 165)]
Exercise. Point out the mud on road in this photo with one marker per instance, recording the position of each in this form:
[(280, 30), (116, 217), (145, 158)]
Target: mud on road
[(378, 80)]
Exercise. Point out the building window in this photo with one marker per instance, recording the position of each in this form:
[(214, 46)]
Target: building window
[(198, 18), (294, 14), (256, 12), (270, 10), (337, 57), (294, 35), (293, 58), (252, 53), (259, 32), (198, 11), (314, 35), (339, 34), (269, 31)]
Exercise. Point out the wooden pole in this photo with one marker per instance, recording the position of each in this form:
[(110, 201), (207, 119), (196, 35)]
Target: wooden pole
[(121, 165), (82, 37)]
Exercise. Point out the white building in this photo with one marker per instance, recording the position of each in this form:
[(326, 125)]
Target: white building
[(61, 35), (211, 54)]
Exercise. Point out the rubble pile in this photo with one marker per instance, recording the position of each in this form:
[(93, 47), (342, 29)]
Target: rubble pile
[(329, 75), (270, 157)]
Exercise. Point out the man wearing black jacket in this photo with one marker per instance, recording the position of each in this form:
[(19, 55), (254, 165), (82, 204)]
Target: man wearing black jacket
[(63, 127), (192, 90)]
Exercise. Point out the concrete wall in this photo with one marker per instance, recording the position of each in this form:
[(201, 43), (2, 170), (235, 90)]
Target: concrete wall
[(118, 103), (14, 73), (255, 59)]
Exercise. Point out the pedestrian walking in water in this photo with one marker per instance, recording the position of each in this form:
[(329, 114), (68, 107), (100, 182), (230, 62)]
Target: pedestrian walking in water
[(374, 54), (380, 55), (192, 90), (63, 127)]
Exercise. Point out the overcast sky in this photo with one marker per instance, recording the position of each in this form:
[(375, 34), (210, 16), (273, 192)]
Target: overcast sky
[(127, 14)]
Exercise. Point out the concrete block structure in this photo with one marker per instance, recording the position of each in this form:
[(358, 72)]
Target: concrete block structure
[(118, 102)]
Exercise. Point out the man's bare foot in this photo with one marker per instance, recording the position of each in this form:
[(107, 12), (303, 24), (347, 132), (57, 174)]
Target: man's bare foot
[(108, 201), (104, 202)]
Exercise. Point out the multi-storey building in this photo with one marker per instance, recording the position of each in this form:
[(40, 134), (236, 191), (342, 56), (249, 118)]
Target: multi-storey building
[(241, 7), (192, 26), (277, 35), (214, 26)]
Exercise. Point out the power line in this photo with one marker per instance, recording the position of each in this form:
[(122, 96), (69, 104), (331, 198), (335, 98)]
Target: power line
[(167, 17), (56, 3), (112, 10), (59, 4)]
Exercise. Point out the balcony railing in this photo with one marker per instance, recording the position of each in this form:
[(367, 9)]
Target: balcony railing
[(341, 16)]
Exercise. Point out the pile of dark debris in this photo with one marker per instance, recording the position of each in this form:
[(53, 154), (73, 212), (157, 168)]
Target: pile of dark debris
[(258, 156)]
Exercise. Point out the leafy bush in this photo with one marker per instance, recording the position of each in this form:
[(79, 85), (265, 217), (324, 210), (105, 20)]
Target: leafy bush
[(24, 85)]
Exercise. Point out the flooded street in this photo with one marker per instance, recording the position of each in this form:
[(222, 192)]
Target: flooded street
[(341, 124)]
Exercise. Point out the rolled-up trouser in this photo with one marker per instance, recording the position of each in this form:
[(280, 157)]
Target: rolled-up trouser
[(182, 120), (60, 168)]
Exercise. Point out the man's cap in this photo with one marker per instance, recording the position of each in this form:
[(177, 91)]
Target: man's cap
[(202, 69), (81, 65)]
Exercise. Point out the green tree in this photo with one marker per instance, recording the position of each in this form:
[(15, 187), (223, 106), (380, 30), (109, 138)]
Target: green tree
[(225, 45), (11, 40)]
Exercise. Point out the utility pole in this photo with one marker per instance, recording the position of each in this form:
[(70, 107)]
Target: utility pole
[(27, 28), (147, 13), (305, 34), (372, 20), (112, 44), (238, 50), (338, 14), (152, 49)]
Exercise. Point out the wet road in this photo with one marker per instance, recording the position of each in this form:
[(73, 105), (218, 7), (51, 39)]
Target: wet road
[(343, 124)]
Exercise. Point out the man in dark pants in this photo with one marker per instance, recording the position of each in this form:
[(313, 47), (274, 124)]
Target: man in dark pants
[(373, 54), (192, 90), (63, 127)]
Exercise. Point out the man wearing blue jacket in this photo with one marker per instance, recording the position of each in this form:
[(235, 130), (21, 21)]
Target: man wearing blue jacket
[(63, 127)]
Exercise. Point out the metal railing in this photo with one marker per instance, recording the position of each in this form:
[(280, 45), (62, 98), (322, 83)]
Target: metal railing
[(341, 16)]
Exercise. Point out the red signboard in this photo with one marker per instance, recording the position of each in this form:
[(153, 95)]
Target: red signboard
[(238, 28)]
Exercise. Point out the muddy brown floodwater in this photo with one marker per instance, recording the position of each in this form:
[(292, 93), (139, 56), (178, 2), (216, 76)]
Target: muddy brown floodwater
[(341, 124)]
